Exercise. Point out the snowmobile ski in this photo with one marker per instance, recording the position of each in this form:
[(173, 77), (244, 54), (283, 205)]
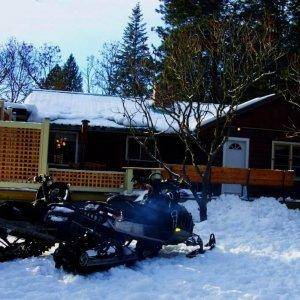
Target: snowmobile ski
[(202, 249)]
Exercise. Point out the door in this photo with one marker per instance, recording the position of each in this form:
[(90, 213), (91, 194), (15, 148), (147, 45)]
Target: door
[(235, 155)]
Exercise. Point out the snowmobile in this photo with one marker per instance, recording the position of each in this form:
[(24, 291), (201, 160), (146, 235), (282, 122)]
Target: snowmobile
[(95, 235), (22, 230)]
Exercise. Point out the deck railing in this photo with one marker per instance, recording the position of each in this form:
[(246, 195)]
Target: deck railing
[(85, 180)]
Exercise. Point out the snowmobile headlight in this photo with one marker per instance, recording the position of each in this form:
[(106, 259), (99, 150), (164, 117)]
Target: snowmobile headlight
[(177, 229)]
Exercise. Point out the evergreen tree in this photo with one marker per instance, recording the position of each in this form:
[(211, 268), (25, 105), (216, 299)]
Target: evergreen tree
[(54, 80), (274, 12), (294, 33), (66, 78), (72, 79), (134, 62), (182, 16), (279, 16), (179, 13)]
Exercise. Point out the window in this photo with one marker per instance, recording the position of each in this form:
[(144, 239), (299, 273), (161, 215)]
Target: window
[(286, 156), (135, 151), (235, 146), (296, 159), (63, 148)]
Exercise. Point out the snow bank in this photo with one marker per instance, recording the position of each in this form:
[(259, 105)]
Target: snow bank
[(257, 257)]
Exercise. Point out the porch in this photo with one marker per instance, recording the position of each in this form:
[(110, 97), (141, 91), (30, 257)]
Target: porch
[(24, 154)]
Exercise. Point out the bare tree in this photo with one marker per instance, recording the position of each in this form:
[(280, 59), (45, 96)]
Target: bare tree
[(28, 68), (89, 74), (106, 69), (291, 92), (17, 82), (5, 64), (38, 62), (292, 80), (242, 55)]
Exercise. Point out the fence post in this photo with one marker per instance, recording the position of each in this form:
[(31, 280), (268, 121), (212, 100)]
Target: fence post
[(44, 143), (128, 180)]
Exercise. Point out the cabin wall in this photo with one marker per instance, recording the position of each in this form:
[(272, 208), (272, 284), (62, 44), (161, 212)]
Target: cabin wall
[(263, 125), (107, 149), (110, 149)]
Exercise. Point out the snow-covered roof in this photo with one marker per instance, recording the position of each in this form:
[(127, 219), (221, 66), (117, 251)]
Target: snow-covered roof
[(71, 108), (13, 105)]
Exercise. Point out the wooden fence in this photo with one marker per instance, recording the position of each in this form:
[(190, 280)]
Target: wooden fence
[(245, 177)]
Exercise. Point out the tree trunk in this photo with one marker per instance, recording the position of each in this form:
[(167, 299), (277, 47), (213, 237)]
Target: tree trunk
[(202, 206), (205, 197)]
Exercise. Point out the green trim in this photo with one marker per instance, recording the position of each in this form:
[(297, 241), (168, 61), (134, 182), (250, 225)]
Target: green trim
[(18, 185), (95, 189), (85, 171), (128, 180), (44, 145), (17, 124)]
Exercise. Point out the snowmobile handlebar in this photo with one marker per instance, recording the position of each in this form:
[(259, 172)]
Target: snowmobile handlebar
[(158, 185), (158, 179), (42, 179)]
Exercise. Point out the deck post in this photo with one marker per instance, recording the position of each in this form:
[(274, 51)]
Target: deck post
[(44, 143), (128, 180), (9, 111)]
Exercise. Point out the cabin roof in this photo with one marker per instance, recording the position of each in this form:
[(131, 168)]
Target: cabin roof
[(70, 108)]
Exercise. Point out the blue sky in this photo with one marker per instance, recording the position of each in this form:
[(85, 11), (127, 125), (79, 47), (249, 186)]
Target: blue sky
[(77, 26)]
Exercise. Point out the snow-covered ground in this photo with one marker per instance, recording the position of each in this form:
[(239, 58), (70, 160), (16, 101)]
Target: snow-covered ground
[(257, 257)]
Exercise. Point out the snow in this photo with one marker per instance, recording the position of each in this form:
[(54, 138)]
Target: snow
[(257, 257), (70, 108), (9, 104)]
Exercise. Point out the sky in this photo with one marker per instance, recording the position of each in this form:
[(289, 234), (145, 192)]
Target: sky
[(77, 26)]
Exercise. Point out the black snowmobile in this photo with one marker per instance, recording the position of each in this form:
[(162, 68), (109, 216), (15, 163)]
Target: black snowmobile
[(94, 235)]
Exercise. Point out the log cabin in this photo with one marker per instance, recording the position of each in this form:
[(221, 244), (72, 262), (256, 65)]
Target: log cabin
[(89, 135)]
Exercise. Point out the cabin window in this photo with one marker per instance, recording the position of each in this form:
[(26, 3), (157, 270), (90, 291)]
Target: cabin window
[(296, 159), (286, 156), (63, 148), (136, 152), (235, 146)]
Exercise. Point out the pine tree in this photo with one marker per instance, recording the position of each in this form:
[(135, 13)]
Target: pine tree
[(278, 16), (54, 80), (66, 78), (294, 32), (182, 16), (72, 79), (134, 62), (179, 13)]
